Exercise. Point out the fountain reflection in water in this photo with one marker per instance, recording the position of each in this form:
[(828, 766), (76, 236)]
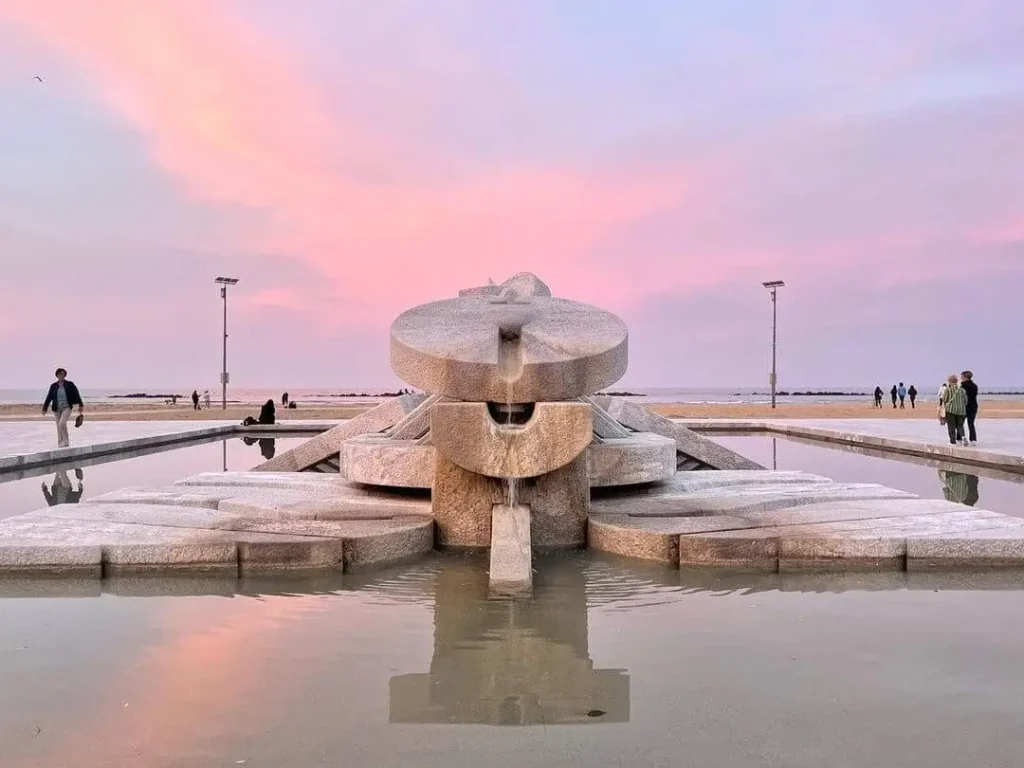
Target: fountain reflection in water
[(505, 662)]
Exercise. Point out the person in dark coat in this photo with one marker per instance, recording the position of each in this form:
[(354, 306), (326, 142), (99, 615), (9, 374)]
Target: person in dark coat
[(195, 400), (894, 392), (912, 394), (878, 397), (971, 390), (267, 413), (62, 396)]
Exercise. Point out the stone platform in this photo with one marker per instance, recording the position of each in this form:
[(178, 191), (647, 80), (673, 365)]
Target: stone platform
[(788, 521), (245, 522), (233, 522)]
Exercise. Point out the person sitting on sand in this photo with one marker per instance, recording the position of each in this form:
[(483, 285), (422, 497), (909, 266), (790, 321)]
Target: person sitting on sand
[(267, 413)]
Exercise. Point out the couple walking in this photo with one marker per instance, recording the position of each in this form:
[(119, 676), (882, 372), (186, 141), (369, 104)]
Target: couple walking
[(958, 404)]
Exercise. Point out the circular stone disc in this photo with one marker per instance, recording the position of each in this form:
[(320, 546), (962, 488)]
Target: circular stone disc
[(478, 348)]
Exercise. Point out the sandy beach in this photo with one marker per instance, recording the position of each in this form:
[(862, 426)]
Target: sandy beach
[(990, 409)]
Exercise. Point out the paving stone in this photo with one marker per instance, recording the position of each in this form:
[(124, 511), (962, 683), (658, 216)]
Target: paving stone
[(192, 555), (742, 499), (934, 553), (404, 539), (284, 552), (167, 515), (686, 482), (748, 552), (619, 535), (68, 560), (207, 498), (846, 553), (281, 480)]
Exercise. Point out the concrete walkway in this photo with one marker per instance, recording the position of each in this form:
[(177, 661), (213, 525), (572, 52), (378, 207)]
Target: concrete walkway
[(1001, 443), (23, 437), (995, 435)]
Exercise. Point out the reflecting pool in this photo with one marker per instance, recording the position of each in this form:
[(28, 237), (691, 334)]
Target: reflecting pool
[(975, 486), (612, 664), (163, 465)]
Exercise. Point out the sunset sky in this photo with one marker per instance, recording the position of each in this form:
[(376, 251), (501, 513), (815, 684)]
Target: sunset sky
[(347, 159)]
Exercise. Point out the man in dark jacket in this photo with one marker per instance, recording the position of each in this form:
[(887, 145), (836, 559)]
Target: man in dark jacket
[(971, 390), (62, 396)]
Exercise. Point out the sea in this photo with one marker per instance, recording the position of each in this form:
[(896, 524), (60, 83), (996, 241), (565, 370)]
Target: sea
[(356, 396)]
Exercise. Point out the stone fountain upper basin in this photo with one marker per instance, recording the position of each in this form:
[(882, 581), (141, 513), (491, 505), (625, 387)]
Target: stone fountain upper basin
[(541, 349)]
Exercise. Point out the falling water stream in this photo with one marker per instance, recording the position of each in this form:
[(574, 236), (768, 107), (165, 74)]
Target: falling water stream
[(511, 483)]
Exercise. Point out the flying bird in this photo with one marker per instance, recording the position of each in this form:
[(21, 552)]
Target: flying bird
[(39, 78)]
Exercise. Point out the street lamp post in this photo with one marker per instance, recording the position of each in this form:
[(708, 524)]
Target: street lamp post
[(224, 282), (773, 286)]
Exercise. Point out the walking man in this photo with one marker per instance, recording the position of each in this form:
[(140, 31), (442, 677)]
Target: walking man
[(206, 398), (955, 401), (902, 392), (912, 392), (195, 400), (878, 396), (894, 393), (62, 396), (971, 390)]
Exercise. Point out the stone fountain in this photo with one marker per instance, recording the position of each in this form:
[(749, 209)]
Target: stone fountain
[(510, 437), (510, 448)]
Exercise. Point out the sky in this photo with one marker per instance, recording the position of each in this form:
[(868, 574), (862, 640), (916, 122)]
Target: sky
[(348, 159)]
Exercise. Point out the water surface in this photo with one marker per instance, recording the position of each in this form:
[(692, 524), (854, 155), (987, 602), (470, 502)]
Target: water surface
[(164, 465), (975, 486), (610, 665)]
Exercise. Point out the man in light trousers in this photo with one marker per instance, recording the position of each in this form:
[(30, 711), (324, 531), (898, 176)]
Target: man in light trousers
[(61, 398)]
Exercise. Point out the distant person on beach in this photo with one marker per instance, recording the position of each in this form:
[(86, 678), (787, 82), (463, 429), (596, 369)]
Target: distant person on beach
[(971, 390), (62, 396), (206, 398), (955, 404), (284, 399), (195, 400), (912, 392), (894, 392), (902, 392), (878, 397)]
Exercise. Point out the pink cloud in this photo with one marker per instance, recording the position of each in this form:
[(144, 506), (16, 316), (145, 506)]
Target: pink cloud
[(235, 121)]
